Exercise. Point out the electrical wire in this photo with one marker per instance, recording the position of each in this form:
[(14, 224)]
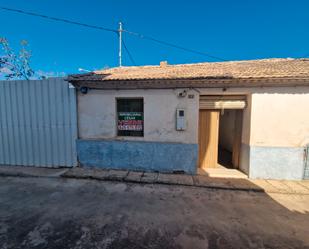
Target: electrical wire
[(173, 45), (59, 19), (141, 36), (128, 52)]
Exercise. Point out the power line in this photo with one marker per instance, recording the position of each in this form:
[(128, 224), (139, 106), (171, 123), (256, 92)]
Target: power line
[(59, 19), (173, 45), (114, 31), (128, 52)]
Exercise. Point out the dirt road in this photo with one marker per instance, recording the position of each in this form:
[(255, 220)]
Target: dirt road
[(69, 213)]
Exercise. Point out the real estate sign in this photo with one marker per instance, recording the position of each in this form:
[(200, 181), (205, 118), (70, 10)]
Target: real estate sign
[(130, 121)]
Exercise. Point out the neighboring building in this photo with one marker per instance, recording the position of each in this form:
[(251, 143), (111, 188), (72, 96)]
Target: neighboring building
[(250, 115)]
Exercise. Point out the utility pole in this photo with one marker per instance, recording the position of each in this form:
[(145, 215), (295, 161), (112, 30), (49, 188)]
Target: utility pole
[(120, 44)]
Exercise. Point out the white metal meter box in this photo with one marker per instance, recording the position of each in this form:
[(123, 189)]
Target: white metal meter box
[(181, 122)]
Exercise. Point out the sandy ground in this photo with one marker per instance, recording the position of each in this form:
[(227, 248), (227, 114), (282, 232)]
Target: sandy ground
[(70, 213)]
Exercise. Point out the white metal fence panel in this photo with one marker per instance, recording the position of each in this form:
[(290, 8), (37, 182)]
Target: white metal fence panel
[(38, 123)]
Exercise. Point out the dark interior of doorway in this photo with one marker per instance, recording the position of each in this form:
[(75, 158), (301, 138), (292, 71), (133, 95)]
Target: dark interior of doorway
[(229, 140)]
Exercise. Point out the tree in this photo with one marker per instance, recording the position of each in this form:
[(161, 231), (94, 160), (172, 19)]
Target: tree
[(12, 65)]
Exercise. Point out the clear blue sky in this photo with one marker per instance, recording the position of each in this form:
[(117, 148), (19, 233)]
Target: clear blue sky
[(234, 30)]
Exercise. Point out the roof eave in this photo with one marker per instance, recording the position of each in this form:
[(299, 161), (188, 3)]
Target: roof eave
[(191, 83)]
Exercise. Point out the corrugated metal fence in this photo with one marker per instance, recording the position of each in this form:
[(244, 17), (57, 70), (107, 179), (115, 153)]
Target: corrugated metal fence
[(38, 124)]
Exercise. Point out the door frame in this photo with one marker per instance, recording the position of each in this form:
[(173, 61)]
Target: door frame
[(213, 132)]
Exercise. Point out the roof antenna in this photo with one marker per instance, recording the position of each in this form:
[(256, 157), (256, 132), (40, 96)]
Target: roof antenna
[(120, 30)]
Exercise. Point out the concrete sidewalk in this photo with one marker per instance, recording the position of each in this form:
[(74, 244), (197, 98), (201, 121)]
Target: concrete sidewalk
[(268, 186), (9, 170)]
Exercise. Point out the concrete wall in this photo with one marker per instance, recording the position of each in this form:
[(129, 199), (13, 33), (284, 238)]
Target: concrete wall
[(279, 117), (275, 131), (136, 155), (161, 148), (279, 132), (97, 115), (275, 126), (271, 162)]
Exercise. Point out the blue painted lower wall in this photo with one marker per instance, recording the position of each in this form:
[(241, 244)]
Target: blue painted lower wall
[(276, 162), (136, 155), (256, 161)]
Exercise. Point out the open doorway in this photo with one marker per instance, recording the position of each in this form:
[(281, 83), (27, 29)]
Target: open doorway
[(220, 130), (229, 142), (220, 138)]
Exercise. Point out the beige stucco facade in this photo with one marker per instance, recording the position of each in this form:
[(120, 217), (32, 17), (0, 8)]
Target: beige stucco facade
[(279, 133), (274, 116), (275, 128), (97, 115), (279, 117), (275, 131)]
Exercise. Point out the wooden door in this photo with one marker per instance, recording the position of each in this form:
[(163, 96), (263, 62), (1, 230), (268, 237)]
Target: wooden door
[(208, 138)]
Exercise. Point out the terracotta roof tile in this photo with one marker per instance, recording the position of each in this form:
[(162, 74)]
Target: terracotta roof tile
[(266, 68)]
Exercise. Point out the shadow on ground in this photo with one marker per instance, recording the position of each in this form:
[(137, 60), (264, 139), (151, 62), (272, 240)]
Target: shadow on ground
[(70, 213)]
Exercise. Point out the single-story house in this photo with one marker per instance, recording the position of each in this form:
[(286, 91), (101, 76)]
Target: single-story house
[(249, 115)]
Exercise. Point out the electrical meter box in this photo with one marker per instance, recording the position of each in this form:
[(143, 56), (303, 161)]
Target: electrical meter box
[(181, 122)]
